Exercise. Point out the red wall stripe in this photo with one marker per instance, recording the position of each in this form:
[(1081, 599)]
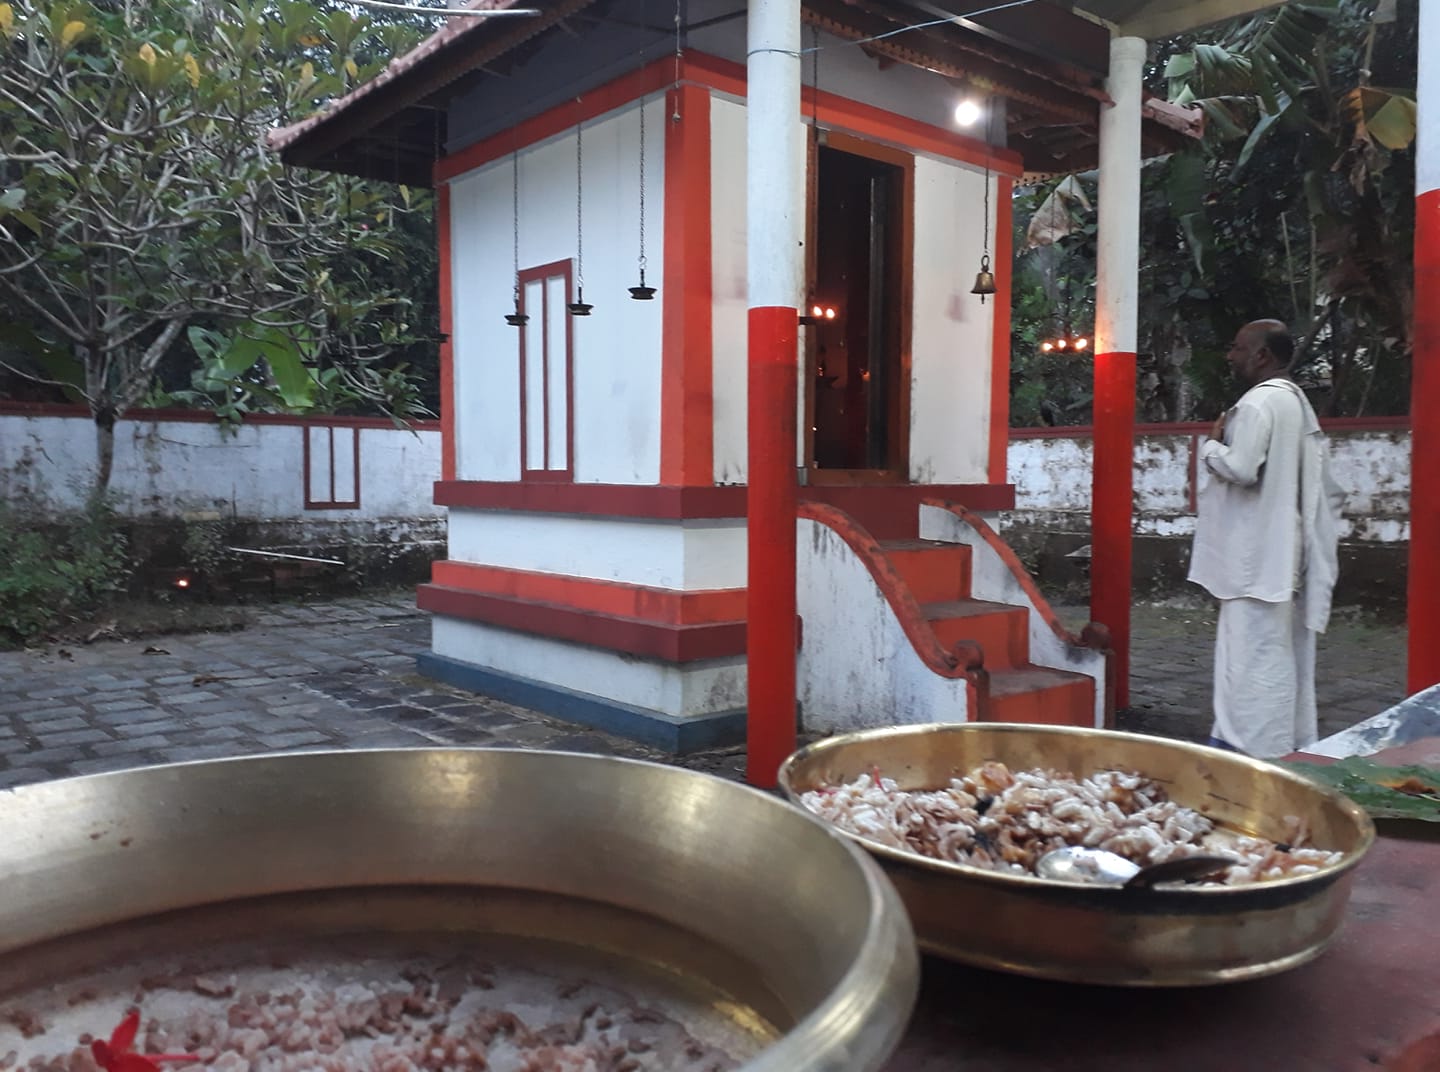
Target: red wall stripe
[(447, 346), (842, 113), (687, 421), (652, 640), (660, 605), (1000, 344)]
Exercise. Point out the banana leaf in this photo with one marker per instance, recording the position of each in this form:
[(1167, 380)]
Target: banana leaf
[(1385, 792)]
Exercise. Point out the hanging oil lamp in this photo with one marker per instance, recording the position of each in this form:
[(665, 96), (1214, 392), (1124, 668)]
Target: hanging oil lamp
[(579, 307), (642, 292), (517, 319)]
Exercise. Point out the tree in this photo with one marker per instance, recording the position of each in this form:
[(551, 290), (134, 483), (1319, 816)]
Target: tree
[(140, 209), (1299, 204), (1305, 149)]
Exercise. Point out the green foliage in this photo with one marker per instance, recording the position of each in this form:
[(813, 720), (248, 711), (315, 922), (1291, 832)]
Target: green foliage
[(204, 546), (1299, 205), (52, 574), (138, 201)]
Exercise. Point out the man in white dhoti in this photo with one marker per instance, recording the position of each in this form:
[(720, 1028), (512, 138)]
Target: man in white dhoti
[(1266, 534)]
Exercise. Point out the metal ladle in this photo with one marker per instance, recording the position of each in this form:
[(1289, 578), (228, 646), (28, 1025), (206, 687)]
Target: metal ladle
[(1097, 867)]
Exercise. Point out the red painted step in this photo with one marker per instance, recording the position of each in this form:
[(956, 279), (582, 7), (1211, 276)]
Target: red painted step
[(1001, 630), (1041, 696), (935, 571)]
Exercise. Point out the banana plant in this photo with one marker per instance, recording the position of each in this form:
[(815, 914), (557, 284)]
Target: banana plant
[(1293, 86)]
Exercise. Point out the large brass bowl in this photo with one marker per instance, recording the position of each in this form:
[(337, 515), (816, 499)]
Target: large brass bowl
[(1169, 936), (692, 875)]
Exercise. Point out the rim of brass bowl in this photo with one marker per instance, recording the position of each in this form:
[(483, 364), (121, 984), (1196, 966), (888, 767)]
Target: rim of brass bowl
[(85, 852), (1168, 936), (814, 753)]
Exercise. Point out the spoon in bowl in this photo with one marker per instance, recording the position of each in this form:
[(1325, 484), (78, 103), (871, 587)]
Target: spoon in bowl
[(1097, 867)]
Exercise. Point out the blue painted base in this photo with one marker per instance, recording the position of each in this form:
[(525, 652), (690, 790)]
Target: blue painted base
[(654, 728)]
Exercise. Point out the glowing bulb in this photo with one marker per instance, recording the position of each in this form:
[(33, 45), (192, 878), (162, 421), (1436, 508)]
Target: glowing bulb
[(1080, 344), (829, 314), (1045, 346), (815, 310), (1060, 344), (967, 113), (182, 582)]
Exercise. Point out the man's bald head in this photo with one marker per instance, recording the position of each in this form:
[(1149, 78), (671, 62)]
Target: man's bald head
[(1262, 350)]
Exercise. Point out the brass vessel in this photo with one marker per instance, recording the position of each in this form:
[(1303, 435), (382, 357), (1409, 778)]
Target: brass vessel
[(1170, 936), (617, 856)]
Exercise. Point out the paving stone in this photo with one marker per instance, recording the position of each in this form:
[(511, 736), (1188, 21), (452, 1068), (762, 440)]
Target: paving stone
[(86, 735), (128, 703), (17, 776), (291, 740), (59, 725), (131, 745), (219, 750)]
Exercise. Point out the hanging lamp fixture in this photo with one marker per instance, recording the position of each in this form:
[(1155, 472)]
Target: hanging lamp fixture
[(579, 307), (985, 278), (642, 292), (515, 319)]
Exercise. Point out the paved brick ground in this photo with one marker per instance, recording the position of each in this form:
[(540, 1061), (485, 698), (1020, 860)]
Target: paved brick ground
[(341, 675)]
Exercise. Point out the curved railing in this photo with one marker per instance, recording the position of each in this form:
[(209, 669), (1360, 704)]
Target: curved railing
[(964, 659)]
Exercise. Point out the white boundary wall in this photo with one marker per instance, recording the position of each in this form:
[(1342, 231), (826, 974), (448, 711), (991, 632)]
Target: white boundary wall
[(197, 469), (1051, 475)]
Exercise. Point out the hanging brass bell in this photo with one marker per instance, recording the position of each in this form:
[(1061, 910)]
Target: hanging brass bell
[(984, 280)]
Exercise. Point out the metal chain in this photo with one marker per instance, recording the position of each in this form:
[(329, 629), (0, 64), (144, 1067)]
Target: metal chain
[(642, 186), (579, 207), (815, 82), (515, 218), (985, 242)]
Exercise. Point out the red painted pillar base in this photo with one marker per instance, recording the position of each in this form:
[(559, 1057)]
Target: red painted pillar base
[(1111, 508), (770, 536), (1422, 598)]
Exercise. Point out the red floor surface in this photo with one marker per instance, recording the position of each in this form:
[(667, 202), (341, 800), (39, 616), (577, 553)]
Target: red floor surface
[(1371, 1001)]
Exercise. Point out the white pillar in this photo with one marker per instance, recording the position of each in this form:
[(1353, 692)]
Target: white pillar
[(1117, 269), (775, 160), (1117, 253)]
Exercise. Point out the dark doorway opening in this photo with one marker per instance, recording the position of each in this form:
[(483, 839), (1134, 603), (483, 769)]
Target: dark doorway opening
[(858, 390)]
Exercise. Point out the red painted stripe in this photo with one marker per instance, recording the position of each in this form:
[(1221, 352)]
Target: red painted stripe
[(687, 422), (770, 502), (844, 114), (658, 605), (447, 347), (651, 640), (1000, 339), (698, 68), (651, 78), (876, 505), (960, 659), (1423, 583), (1111, 508)]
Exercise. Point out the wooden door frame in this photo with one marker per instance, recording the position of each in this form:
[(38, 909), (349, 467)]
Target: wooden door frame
[(898, 402)]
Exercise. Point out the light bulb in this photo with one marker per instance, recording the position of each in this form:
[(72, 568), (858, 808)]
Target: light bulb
[(1080, 344), (829, 314), (1060, 344), (815, 310), (1045, 346), (967, 113)]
